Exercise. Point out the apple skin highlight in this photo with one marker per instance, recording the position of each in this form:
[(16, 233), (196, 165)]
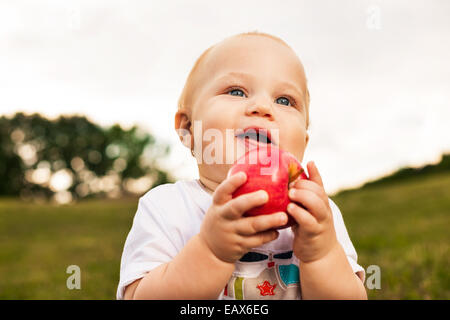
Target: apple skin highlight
[(271, 169)]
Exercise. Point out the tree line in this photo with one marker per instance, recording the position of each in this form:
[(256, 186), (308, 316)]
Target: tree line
[(73, 156)]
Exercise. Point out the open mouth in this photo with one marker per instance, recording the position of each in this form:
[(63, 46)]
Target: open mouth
[(258, 135)]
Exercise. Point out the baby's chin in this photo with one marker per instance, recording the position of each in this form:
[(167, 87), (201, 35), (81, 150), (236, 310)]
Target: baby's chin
[(214, 173), (216, 168)]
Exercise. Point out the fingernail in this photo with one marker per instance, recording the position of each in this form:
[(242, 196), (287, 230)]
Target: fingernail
[(264, 195), (282, 217), (291, 193)]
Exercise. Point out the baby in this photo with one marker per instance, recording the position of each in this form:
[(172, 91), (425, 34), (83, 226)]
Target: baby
[(191, 239)]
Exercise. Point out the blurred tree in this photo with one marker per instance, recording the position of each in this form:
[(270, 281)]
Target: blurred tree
[(71, 157)]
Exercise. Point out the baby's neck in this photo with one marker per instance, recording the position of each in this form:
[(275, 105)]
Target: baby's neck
[(207, 184)]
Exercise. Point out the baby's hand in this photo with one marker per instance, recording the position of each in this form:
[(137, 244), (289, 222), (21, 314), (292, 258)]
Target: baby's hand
[(314, 235), (227, 233)]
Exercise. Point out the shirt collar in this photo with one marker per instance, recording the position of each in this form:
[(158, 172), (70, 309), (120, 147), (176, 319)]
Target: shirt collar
[(203, 198)]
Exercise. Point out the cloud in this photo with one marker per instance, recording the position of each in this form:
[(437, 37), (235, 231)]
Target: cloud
[(379, 97)]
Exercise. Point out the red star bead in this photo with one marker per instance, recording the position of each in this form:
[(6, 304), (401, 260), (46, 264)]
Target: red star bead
[(266, 289)]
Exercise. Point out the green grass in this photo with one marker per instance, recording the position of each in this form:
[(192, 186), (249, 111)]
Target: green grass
[(39, 242), (402, 227)]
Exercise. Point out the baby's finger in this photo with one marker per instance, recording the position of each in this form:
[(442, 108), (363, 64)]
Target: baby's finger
[(311, 201), (224, 191), (251, 225), (235, 208), (314, 174), (312, 186), (304, 219), (260, 238)]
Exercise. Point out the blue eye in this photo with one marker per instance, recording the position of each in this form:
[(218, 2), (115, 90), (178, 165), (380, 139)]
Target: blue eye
[(283, 100), (234, 91)]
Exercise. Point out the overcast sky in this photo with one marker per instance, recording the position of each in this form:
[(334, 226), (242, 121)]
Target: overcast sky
[(378, 71)]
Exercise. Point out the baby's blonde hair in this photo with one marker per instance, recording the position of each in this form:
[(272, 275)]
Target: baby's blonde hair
[(185, 100)]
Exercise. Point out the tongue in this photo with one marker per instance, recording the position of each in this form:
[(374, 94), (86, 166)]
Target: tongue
[(259, 139)]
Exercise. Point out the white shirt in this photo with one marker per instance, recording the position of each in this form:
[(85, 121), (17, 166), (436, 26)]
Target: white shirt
[(169, 215)]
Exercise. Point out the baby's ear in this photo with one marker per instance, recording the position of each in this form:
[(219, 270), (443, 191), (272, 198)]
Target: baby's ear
[(183, 128)]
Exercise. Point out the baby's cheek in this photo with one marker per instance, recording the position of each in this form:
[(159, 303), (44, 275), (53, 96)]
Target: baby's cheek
[(220, 148), (294, 143)]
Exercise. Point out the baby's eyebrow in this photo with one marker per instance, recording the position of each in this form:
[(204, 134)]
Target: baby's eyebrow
[(292, 87), (239, 75)]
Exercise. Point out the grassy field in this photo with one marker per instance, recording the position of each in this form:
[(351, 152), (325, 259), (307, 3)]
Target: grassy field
[(39, 242), (402, 227)]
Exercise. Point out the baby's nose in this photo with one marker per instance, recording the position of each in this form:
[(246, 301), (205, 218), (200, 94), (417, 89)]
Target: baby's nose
[(260, 109)]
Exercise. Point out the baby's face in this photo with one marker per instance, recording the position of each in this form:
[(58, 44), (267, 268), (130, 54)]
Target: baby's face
[(249, 82)]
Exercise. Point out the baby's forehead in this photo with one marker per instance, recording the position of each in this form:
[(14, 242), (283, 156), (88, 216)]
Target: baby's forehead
[(241, 51)]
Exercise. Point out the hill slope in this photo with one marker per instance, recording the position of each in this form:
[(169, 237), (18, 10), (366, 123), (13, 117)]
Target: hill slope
[(401, 225)]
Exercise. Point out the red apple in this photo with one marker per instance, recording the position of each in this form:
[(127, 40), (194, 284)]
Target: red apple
[(271, 169)]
